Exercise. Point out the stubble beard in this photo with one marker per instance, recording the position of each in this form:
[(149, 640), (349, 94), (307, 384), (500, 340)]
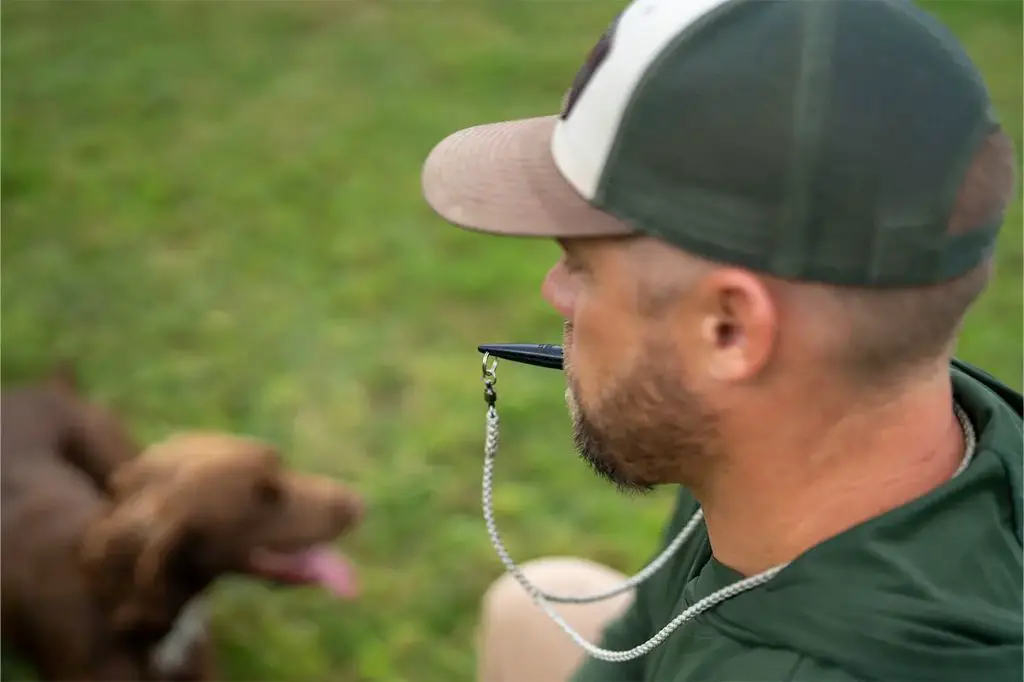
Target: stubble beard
[(647, 428)]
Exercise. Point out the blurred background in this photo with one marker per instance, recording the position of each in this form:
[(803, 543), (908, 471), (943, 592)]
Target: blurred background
[(214, 208)]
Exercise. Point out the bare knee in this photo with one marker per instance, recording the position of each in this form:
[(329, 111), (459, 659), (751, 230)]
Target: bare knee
[(564, 576), (517, 638)]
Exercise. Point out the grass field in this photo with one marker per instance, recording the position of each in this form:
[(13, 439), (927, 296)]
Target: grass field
[(215, 208)]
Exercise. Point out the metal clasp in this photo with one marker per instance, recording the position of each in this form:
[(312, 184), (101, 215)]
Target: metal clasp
[(489, 373)]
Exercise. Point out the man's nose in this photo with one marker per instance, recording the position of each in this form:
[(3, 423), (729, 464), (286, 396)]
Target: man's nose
[(558, 291)]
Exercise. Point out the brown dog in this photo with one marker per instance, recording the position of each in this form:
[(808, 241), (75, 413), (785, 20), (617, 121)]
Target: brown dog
[(108, 585)]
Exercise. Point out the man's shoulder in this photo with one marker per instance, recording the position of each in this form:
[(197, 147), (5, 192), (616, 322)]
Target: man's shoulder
[(720, 660), (996, 410), (964, 374), (765, 663), (807, 669), (997, 413)]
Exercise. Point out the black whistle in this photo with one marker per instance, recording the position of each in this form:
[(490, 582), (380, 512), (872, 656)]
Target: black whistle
[(536, 354)]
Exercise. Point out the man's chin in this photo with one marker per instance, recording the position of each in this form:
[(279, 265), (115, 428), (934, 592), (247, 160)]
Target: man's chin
[(612, 474), (597, 457), (605, 466)]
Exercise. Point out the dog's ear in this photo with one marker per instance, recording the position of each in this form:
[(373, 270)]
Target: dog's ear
[(130, 479), (130, 554)]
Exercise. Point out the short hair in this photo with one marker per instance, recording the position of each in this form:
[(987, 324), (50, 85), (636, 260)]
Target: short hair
[(885, 333), (895, 331)]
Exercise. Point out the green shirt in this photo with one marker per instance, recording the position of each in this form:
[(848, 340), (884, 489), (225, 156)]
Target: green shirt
[(931, 591)]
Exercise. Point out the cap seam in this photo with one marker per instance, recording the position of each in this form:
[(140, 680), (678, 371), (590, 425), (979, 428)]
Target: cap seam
[(790, 240)]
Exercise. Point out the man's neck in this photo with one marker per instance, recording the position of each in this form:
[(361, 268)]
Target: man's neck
[(794, 482)]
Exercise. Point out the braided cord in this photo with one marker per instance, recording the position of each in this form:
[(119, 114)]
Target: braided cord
[(544, 599)]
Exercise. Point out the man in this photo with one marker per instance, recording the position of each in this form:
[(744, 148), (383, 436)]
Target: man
[(774, 216)]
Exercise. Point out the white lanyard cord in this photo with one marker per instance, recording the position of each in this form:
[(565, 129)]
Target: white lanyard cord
[(544, 600)]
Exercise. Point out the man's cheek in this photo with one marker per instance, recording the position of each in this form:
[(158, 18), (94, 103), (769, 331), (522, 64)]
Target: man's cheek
[(604, 346), (586, 356), (594, 334)]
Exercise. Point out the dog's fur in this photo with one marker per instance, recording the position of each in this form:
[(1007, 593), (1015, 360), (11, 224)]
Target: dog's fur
[(106, 550)]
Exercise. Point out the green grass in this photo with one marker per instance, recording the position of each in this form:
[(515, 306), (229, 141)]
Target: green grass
[(215, 208)]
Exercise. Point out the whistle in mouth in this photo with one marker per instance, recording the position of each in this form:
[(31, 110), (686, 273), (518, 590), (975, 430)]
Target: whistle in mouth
[(536, 354)]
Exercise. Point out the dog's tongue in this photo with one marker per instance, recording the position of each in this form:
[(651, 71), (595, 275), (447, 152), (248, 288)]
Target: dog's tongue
[(318, 565), (332, 571)]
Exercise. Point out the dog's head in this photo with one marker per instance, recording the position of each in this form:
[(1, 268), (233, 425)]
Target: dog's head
[(201, 505)]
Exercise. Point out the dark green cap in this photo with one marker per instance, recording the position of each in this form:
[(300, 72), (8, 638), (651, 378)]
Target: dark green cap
[(814, 140)]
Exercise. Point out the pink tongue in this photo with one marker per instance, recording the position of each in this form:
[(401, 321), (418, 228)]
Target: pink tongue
[(331, 570)]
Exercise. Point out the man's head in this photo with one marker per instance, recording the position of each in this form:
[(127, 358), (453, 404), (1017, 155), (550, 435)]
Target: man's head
[(760, 204)]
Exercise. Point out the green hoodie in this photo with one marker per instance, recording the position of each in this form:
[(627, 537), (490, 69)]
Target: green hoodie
[(931, 591)]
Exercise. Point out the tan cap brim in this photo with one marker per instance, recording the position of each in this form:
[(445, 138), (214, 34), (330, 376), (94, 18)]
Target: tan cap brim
[(500, 178)]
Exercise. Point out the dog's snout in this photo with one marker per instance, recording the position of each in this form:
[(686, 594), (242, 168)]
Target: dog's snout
[(349, 508)]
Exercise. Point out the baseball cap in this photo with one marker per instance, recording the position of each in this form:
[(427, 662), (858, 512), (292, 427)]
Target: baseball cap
[(813, 140)]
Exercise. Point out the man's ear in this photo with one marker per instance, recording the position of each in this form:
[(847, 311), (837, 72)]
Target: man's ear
[(738, 326)]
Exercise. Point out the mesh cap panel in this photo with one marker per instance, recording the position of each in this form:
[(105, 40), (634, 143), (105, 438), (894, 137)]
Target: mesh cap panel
[(818, 140)]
